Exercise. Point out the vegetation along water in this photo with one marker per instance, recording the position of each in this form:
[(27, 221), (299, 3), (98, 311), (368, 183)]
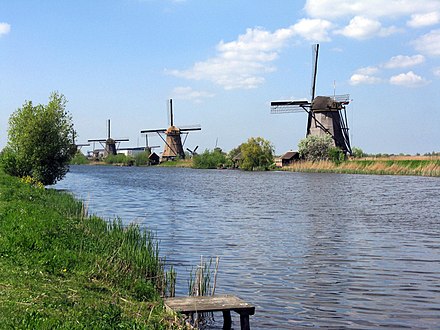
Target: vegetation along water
[(61, 268)]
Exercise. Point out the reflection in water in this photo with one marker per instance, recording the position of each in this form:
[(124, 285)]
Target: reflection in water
[(309, 250)]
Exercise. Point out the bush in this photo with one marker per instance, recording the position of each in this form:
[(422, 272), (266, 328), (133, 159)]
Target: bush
[(119, 159), (358, 153), (79, 159), (141, 159), (336, 155), (210, 159), (40, 141), (315, 148), (256, 154)]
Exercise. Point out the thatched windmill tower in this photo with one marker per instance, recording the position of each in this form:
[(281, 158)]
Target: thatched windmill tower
[(326, 114), (173, 141)]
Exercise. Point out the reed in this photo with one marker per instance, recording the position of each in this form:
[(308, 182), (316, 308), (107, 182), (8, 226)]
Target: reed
[(381, 166), (63, 268)]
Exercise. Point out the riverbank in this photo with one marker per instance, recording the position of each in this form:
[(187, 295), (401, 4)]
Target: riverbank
[(400, 165), (61, 268)]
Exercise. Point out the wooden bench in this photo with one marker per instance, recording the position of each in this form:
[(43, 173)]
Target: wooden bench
[(217, 303)]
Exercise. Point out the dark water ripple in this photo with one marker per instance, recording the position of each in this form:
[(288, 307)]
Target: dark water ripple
[(309, 250)]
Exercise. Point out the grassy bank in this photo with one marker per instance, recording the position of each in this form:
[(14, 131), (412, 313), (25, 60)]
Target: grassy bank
[(425, 166), (63, 269)]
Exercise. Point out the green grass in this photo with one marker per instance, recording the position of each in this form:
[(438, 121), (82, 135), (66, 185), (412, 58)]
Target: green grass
[(63, 269)]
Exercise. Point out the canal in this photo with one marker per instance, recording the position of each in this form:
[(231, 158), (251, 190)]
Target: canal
[(308, 250)]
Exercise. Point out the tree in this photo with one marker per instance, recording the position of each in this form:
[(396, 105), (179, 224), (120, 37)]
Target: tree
[(315, 148), (256, 154), (40, 141)]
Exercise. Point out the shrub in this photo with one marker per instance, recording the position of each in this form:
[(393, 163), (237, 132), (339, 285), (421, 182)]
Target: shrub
[(315, 148), (336, 155), (210, 159), (256, 154), (141, 159), (79, 159), (40, 141)]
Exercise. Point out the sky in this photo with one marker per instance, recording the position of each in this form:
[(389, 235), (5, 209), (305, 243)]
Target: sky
[(223, 62)]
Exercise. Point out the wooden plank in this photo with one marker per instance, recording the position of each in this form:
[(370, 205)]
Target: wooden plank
[(218, 303)]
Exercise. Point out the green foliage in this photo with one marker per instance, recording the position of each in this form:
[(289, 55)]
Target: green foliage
[(141, 159), (60, 268), (79, 159), (119, 159), (358, 153), (336, 155), (315, 148), (256, 154), (40, 141), (210, 159)]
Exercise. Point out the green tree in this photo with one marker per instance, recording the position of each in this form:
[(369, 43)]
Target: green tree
[(256, 154), (315, 148), (210, 159), (40, 141), (358, 153)]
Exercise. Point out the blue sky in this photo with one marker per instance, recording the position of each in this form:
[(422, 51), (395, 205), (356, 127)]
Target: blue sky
[(222, 62)]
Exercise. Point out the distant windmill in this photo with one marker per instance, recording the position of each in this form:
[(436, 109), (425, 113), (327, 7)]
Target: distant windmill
[(110, 144), (326, 114), (173, 142)]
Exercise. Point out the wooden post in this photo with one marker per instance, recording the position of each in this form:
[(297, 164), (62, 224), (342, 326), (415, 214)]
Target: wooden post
[(227, 322), (244, 322)]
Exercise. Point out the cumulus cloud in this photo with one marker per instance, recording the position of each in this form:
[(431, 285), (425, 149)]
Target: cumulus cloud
[(424, 19), (187, 93), (436, 71), (361, 27), (402, 61), (313, 29), (409, 79), (365, 76), (429, 43), (358, 79), (5, 28), (331, 9), (243, 62)]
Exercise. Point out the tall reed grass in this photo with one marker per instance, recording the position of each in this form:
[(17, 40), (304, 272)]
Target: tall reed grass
[(381, 166)]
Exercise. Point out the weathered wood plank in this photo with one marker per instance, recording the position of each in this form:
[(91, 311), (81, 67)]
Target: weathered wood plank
[(222, 303), (210, 304)]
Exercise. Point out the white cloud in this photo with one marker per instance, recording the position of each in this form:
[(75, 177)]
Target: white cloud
[(243, 62), (436, 71), (365, 76), (187, 93), (331, 9), (313, 29), (361, 27), (358, 79), (409, 79), (429, 43), (369, 70), (402, 61), (5, 28), (424, 19)]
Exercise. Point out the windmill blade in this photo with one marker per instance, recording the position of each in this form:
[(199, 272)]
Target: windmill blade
[(190, 128), (158, 130), (195, 149), (315, 52), (278, 107)]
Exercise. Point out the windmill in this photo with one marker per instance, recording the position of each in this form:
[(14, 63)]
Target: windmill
[(110, 144), (326, 114), (173, 142)]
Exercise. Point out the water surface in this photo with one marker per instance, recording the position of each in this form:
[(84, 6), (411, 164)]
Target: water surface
[(308, 250)]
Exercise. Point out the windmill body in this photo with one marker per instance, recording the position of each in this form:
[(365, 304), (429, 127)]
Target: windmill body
[(173, 138), (326, 114), (109, 144)]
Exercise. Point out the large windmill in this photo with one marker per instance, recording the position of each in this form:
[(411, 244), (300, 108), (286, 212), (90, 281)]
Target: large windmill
[(173, 142), (109, 144), (326, 114)]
